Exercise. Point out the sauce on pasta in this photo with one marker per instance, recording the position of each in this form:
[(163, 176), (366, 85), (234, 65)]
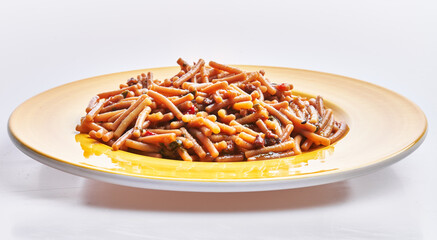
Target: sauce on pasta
[(210, 112)]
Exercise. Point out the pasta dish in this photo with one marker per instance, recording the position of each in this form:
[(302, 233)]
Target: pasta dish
[(211, 113)]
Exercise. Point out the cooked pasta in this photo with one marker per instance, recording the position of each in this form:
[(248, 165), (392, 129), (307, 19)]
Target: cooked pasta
[(210, 112)]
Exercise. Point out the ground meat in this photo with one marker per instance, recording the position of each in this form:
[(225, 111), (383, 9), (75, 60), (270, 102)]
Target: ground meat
[(132, 81), (252, 110), (208, 101), (230, 147), (272, 98), (199, 106), (270, 135), (259, 142), (243, 112), (270, 141), (249, 88)]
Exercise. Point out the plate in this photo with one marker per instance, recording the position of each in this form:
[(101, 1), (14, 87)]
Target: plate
[(384, 128)]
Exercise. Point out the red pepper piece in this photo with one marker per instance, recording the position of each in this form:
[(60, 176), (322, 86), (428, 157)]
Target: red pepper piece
[(191, 110), (149, 133), (282, 87)]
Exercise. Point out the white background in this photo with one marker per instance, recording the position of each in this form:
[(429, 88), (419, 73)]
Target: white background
[(44, 44)]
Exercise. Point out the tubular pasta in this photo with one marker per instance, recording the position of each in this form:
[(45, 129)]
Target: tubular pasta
[(104, 117), (275, 148), (92, 103), (271, 156), (210, 113), (141, 146)]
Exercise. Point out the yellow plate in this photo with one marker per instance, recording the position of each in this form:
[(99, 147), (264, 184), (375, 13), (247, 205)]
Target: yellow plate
[(384, 128)]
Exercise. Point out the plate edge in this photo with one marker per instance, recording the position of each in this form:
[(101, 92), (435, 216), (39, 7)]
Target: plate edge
[(213, 186)]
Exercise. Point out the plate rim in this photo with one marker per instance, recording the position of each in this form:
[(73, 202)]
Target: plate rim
[(388, 160), (214, 186)]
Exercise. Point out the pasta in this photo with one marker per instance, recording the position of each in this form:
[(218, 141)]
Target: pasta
[(211, 113)]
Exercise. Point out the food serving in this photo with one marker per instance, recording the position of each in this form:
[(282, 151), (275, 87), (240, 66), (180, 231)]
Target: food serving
[(210, 113)]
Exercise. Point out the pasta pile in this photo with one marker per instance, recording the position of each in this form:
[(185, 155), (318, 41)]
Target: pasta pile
[(210, 113)]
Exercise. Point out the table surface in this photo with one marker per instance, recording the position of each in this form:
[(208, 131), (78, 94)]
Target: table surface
[(48, 43)]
